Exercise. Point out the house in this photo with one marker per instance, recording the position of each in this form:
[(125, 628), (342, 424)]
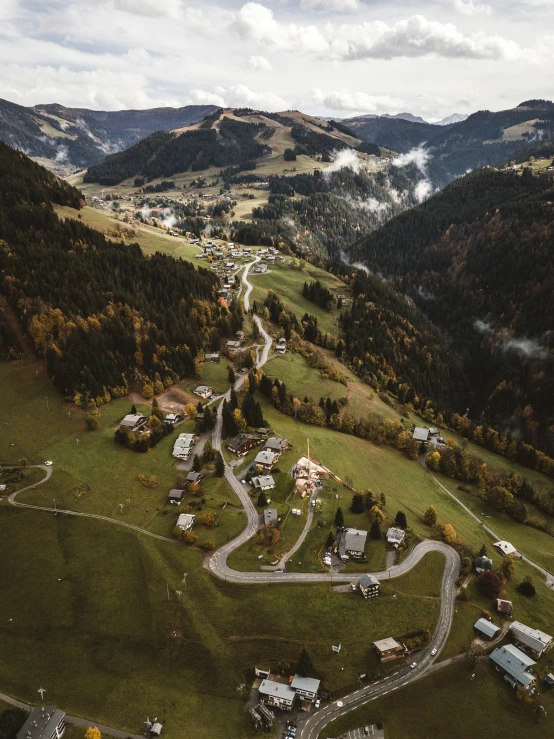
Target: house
[(282, 340), (486, 628), (204, 391), (266, 460), (421, 434), (262, 431), (281, 349), (306, 687), (195, 477), (176, 496), (504, 548), (240, 335), (276, 694), (504, 606), (44, 722), (186, 521), (233, 346), (271, 516), (482, 564), (182, 448), (263, 482), (277, 445), (388, 649), (242, 443), (133, 421), (368, 585), (212, 357), (515, 664), (395, 537), (351, 543), (173, 418), (534, 639)]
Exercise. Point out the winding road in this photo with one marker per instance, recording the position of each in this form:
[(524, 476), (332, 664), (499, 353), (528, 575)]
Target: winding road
[(311, 726)]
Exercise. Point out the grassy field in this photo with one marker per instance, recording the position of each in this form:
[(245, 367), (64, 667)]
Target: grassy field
[(448, 703), (111, 627), (287, 283), (150, 239)]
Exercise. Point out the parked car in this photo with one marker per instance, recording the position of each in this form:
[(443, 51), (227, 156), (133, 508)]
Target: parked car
[(353, 586), (414, 664), (318, 703), (48, 463)]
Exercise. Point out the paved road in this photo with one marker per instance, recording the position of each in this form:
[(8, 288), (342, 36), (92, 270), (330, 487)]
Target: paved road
[(311, 727)]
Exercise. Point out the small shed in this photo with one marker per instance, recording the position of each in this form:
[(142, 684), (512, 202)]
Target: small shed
[(486, 628)]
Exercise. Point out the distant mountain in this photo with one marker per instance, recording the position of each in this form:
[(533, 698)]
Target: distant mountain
[(475, 258), (483, 138), (81, 137), (395, 133), (405, 117), (454, 118)]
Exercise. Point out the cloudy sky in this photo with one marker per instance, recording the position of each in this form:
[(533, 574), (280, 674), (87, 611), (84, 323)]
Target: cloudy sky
[(327, 57)]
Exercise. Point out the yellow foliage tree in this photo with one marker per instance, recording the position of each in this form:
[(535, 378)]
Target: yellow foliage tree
[(93, 732), (448, 533)]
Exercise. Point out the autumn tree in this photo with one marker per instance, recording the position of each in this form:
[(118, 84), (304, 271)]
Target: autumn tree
[(376, 514), (448, 533), (93, 732), (508, 567), (190, 410), (207, 519), (490, 584), (430, 516), (269, 535)]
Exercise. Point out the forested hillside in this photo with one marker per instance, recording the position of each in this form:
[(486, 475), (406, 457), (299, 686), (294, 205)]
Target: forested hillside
[(163, 154), (104, 316), (478, 258)]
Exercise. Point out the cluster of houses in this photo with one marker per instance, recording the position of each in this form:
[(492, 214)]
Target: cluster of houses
[(273, 448), (515, 663), (284, 693)]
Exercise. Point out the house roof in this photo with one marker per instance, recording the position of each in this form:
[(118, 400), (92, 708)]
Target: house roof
[(132, 419), (239, 439), (309, 684), (176, 493), (513, 661), (355, 540), (385, 645), (532, 638), (504, 547), (275, 443), (421, 434), (483, 563), (277, 690), (41, 723), (265, 458), (396, 535), (193, 476), (367, 581), (263, 481), (486, 627), (202, 389), (186, 519)]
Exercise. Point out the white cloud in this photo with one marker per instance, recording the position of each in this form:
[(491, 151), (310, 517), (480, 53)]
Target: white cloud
[(526, 347), (342, 6), (359, 102), (259, 64), (149, 8), (419, 156), (238, 96), (469, 7), (422, 190), (412, 37), (344, 158)]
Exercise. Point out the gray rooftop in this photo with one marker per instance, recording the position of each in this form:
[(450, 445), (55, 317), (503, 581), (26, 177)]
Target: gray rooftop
[(275, 443), (309, 684), (42, 723), (515, 662), (277, 690), (263, 481), (384, 645), (355, 540), (532, 638), (421, 434), (270, 515), (367, 581), (486, 627)]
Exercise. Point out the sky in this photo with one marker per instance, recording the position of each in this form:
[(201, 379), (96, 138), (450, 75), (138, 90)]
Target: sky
[(334, 58)]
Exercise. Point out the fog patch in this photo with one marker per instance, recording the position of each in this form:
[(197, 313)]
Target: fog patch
[(344, 158), (422, 190), (425, 294), (525, 347)]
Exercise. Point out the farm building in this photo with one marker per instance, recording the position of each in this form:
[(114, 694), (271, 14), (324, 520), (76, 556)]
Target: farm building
[(515, 664), (534, 639), (486, 628), (175, 496)]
